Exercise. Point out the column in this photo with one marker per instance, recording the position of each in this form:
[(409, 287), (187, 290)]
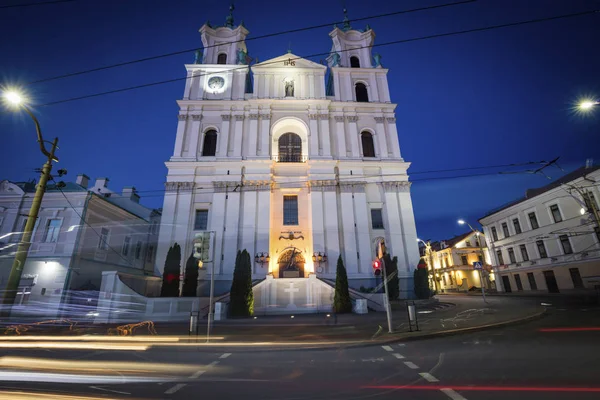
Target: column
[(318, 219), (311, 86), (350, 250), (223, 138), (217, 223), (324, 136), (393, 225), (235, 146), (180, 136), (263, 222), (265, 135), (340, 136), (267, 86), (313, 135), (336, 85), (384, 95), (302, 86), (374, 93), (393, 137), (380, 137), (248, 221), (230, 242), (194, 137), (363, 237), (188, 84), (408, 227), (250, 146), (331, 227), (353, 135)]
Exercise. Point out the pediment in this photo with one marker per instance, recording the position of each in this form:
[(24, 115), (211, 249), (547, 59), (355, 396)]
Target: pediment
[(288, 60)]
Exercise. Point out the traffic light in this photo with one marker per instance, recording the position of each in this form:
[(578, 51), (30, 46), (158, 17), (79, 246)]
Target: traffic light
[(376, 267), (202, 246)]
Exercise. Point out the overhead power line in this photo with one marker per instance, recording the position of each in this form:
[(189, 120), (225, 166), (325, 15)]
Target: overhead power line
[(487, 28), (268, 35)]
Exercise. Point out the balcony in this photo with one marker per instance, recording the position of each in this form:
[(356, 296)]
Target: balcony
[(290, 158)]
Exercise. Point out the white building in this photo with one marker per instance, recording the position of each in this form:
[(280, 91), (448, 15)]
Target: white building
[(274, 160), (77, 236), (549, 239)]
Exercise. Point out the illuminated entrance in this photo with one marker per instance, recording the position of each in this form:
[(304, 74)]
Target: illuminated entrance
[(291, 263)]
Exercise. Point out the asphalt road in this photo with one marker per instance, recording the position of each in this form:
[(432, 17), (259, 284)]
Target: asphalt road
[(533, 361)]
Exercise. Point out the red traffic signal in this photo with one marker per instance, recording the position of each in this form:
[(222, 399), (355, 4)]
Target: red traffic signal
[(377, 267)]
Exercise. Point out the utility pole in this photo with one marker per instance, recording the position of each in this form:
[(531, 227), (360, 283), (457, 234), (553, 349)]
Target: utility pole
[(14, 278), (482, 265)]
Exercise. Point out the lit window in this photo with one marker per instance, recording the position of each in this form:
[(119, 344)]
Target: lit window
[(52, 229), (376, 218), (555, 213), (201, 220), (290, 210)]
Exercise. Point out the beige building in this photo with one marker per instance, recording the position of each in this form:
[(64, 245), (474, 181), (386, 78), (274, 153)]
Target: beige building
[(453, 263)]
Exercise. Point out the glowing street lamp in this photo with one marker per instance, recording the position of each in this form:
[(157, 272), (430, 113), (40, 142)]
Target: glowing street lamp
[(463, 222), (587, 105), (16, 100)]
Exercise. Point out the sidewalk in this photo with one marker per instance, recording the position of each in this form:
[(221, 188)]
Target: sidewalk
[(453, 314)]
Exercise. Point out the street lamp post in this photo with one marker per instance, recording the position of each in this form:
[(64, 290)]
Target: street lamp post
[(23, 248), (463, 222)]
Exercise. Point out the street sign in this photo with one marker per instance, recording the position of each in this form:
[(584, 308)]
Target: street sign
[(477, 265)]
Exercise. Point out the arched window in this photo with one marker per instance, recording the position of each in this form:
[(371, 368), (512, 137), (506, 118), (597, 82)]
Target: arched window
[(367, 144), (222, 58), (361, 93), (354, 62), (209, 148), (290, 148)]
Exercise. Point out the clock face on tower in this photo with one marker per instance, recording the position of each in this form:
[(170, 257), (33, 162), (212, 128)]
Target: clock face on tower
[(216, 83)]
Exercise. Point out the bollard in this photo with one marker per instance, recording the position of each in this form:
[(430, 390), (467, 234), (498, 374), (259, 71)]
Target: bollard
[(194, 322), (412, 316)]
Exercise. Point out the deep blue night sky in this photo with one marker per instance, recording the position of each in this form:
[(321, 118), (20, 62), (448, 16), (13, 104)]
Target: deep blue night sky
[(478, 99)]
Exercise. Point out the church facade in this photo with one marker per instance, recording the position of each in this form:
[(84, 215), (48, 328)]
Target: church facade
[(294, 161)]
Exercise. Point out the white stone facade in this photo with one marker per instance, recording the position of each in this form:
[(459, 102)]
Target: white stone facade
[(549, 240), (284, 138)]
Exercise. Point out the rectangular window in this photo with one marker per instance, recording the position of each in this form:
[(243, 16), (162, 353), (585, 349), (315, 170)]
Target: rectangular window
[(464, 260), (138, 250), (505, 229), (500, 258), (576, 278), (533, 220), (150, 254), (511, 255), (290, 210), (52, 229), (566, 244), (541, 249), (494, 234), (468, 243), (517, 226), (103, 242), (555, 213), (531, 280), (201, 220), (126, 242), (376, 218), (518, 282), (524, 253)]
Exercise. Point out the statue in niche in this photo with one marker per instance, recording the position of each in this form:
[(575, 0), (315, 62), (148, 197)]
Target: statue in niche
[(336, 60), (289, 88), (377, 58), (198, 57), (242, 57)]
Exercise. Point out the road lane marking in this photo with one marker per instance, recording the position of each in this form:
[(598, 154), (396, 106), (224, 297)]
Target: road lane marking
[(225, 355), (197, 374), (428, 377), (411, 365), (452, 394), (212, 364), (108, 390), (387, 348), (175, 388), (398, 356)]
